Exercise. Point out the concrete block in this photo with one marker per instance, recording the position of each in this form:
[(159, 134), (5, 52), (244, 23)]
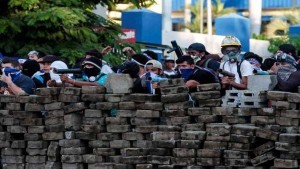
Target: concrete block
[(235, 154), (173, 90), (195, 144), (92, 97), (207, 153), (149, 106), (173, 98), (172, 82), (118, 83), (208, 161), (93, 90), (285, 163), (206, 95), (209, 87), (262, 82), (277, 95)]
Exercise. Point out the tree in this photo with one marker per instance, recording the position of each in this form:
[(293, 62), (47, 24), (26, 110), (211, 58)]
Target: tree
[(65, 28), (217, 10)]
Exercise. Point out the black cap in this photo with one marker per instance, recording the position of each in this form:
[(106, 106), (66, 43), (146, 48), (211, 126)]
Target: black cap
[(95, 53), (48, 59), (140, 59), (197, 47), (93, 61)]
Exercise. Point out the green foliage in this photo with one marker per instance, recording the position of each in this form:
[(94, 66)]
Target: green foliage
[(66, 28), (260, 37), (276, 42)]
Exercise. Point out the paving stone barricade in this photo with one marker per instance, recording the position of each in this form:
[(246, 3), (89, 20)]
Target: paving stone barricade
[(87, 128)]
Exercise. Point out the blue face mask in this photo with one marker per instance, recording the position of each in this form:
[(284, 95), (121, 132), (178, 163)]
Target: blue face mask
[(14, 73), (186, 73)]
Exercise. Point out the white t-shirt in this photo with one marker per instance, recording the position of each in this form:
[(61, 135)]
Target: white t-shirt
[(246, 69)]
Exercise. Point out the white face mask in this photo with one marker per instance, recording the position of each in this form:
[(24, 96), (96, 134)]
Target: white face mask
[(196, 58), (54, 76)]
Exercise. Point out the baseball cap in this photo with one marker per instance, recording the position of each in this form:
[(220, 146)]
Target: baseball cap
[(140, 59), (155, 63), (169, 59), (93, 61), (48, 59), (197, 47)]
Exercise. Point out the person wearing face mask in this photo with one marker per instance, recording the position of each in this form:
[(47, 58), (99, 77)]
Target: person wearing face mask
[(194, 75), (201, 57), (55, 80), (231, 49), (91, 75), (16, 82), (288, 76), (42, 77)]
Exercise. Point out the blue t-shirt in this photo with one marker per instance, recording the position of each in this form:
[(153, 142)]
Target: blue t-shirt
[(101, 80), (25, 83)]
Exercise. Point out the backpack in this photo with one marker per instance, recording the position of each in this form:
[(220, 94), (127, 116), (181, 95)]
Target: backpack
[(238, 68)]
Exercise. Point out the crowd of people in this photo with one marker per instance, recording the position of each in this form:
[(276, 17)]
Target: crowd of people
[(197, 66)]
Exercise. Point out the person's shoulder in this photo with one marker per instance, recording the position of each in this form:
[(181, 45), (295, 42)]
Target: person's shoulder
[(245, 63)]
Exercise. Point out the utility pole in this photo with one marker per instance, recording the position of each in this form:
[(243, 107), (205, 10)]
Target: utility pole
[(201, 16), (209, 18), (255, 10), (166, 15), (187, 13)]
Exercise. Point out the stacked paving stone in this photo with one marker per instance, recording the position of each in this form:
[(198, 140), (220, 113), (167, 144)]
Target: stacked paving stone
[(287, 117), (77, 128)]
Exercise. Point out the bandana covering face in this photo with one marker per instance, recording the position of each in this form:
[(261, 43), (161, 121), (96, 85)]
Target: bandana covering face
[(284, 72), (14, 73), (186, 73)]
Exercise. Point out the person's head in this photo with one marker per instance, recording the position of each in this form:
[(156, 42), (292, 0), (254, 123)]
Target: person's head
[(57, 65), (196, 51), (288, 49), (30, 67), (150, 54), (130, 68), (185, 66), (33, 55), (284, 59), (254, 59), (169, 62), (267, 64), (154, 67), (141, 60), (46, 61), (185, 62), (11, 67), (231, 48), (93, 53), (10, 63), (92, 68)]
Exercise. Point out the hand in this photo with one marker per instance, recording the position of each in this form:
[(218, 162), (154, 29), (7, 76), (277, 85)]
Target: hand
[(51, 83), (192, 84), (275, 67), (154, 85), (6, 79), (65, 78), (106, 50), (226, 80), (128, 50)]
